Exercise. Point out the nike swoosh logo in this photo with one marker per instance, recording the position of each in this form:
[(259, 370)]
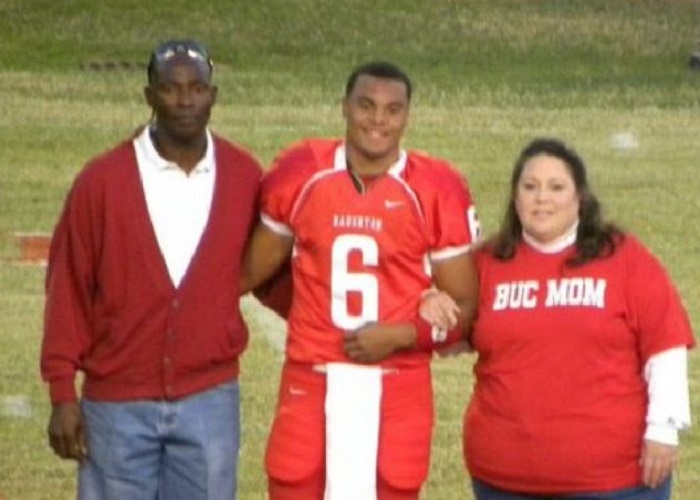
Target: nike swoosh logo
[(393, 204)]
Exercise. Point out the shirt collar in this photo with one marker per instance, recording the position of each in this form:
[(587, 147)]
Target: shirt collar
[(144, 142), (559, 244), (340, 161)]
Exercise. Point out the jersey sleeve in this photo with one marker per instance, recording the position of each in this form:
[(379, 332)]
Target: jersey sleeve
[(450, 213), (280, 189), (657, 312), (282, 184)]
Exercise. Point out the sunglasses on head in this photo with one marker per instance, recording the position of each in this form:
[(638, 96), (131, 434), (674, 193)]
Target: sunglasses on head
[(170, 49)]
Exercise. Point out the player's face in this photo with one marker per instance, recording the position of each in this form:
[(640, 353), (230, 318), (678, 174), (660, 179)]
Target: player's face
[(182, 97), (376, 114), (546, 199)]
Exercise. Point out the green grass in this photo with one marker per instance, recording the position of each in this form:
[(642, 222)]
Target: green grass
[(489, 75)]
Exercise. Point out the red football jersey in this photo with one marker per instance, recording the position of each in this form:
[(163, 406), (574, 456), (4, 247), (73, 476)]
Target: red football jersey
[(560, 401), (361, 257)]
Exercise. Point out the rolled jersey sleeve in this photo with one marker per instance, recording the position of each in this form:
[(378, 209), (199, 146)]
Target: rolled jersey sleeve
[(455, 223), (282, 185)]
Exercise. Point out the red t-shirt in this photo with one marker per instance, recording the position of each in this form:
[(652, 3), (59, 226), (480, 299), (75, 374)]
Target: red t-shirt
[(361, 257), (559, 402)]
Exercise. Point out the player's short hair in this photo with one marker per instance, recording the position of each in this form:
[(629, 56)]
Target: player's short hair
[(171, 48), (379, 69)]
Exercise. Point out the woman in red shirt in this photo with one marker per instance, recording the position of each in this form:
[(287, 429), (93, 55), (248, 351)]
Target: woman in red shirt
[(581, 379)]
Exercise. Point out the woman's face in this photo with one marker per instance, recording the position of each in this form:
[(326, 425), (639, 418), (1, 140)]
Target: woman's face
[(546, 199)]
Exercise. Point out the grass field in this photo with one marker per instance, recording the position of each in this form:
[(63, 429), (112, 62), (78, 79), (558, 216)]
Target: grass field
[(489, 75)]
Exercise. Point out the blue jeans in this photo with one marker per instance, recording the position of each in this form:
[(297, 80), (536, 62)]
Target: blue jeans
[(483, 491), (167, 450)]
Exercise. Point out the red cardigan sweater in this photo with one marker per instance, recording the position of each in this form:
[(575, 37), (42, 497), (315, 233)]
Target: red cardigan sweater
[(111, 308)]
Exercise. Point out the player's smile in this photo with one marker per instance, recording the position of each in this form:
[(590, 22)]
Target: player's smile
[(376, 113)]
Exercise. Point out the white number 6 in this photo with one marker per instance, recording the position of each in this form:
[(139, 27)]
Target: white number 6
[(343, 281)]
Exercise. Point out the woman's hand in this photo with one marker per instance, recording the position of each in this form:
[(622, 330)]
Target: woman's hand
[(438, 309), (657, 462)]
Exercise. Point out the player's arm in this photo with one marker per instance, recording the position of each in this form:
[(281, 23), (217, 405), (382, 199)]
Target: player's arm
[(266, 252), (457, 278), (454, 273), (270, 245), (455, 225)]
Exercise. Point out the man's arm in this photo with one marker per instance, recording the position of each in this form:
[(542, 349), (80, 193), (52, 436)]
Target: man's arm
[(266, 252), (70, 280)]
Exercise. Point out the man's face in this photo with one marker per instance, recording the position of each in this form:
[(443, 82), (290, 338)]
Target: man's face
[(376, 114), (181, 97)]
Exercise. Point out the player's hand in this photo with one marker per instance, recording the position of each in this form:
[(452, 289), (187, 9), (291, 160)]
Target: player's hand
[(657, 462), (67, 431), (438, 309), (377, 341)]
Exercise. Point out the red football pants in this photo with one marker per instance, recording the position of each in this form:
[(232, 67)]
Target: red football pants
[(295, 458), (313, 488)]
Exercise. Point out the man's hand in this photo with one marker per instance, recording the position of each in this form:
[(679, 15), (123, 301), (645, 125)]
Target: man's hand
[(377, 341), (67, 431), (657, 462)]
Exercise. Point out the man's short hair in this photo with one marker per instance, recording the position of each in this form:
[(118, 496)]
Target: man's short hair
[(379, 69), (187, 48)]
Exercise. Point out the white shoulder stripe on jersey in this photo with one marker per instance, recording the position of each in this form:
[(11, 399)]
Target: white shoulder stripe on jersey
[(276, 227), (412, 195), (449, 252), (307, 185)]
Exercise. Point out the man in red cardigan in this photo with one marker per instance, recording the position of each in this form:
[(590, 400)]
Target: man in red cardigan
[(142, 296)]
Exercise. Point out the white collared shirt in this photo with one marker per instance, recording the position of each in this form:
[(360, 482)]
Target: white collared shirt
[(178, 203)]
